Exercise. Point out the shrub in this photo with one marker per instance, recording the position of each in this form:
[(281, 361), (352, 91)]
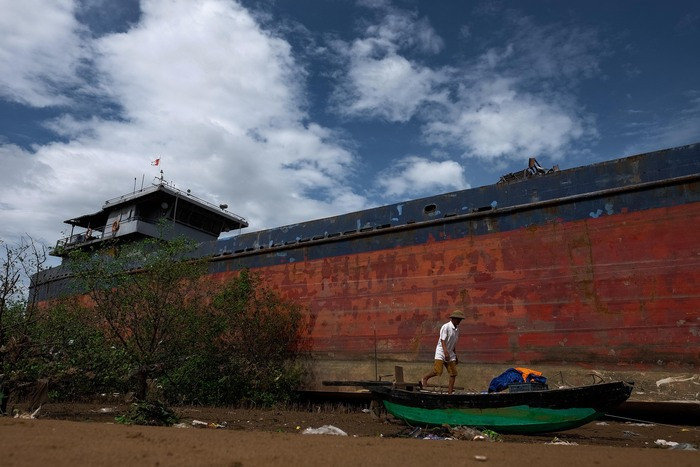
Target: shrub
[(149, 413), (251, 351)]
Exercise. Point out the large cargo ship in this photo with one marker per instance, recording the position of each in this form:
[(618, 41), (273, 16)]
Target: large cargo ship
[(585, 273)]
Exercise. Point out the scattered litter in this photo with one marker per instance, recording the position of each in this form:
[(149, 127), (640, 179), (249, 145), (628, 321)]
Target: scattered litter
[(685, 447), (640, 424), (435, 433), (562, 442), (675, 445), (445, 432), (630, 433), (201, 424), (469, 434), (181, 425), (366, 411), (602, 423), (415, 432), (664, 443), (493, 436), (479, 458), (324, 430), (28, 415), (674, 379), (105, 410)]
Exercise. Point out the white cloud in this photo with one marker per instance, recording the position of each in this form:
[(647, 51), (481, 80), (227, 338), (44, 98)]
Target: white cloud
[(202, 86), (391, 87), (495, 119), (190, 61), (514, 97), (516, 100), (416, 176), (381, 81), (40, 51)]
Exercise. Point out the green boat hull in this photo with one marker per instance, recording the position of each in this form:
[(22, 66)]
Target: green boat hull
[(518, 419), (536, 411)]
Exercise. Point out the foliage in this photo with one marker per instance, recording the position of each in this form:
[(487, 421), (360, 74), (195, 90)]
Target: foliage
[(253, 350), (142, 312), (78, 358), (17, 264), (263, 339), (146, 296), (18, 316), (151, 413), (60, 345)]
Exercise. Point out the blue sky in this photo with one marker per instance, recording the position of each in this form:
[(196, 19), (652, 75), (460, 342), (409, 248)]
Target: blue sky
[(299, 109)]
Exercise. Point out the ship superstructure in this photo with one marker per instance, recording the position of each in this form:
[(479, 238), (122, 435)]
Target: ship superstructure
[(141, 214)]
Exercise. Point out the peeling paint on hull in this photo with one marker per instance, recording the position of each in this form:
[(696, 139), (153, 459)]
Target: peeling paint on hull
[(617, 288)]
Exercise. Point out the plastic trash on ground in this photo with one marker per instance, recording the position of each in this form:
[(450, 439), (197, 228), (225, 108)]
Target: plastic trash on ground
[(324, 430), (469, 434), (201, 424), (562, 442), (675, 445), (27, 415)]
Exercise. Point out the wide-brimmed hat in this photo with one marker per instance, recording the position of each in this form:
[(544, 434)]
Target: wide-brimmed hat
[(457, 314)]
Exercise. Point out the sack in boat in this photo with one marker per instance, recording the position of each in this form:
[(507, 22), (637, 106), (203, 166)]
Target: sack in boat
[(516, 376)]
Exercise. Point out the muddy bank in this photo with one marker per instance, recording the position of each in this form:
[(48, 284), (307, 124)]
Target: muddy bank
[(84, 434)]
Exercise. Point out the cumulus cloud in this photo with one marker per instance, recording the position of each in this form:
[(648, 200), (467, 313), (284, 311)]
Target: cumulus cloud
[(416, 176), (515, 99), (495, 119), (380, 80), (199, 84), (511, 98), (41, 52)]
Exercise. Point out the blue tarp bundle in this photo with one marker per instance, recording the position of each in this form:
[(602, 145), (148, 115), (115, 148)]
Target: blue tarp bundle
[(515, 376)]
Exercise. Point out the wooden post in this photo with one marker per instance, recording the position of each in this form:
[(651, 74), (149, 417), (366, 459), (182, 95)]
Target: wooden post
[(398, 374)]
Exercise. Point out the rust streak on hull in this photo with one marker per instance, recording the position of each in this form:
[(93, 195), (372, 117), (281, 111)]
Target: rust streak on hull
[(617, 290)]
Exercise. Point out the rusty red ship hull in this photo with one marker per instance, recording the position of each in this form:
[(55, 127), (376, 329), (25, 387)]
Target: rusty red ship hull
[(594, 268)]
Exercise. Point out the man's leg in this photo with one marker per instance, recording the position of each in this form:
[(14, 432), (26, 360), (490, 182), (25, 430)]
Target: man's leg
[(452, 370), (451, 385), (437, 371), (424, 381)]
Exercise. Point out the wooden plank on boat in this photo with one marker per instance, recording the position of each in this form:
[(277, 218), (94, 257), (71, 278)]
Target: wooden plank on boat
[(357, 383)]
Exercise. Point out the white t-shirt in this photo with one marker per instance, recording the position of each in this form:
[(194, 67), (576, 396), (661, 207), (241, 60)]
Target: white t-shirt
[(448, 333)]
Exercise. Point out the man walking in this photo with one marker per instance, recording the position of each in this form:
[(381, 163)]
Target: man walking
[(445, 352)]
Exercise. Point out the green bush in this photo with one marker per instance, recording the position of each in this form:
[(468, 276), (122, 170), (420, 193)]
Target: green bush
[(79, 360), (150, 413), (151, 318), (250, 351)]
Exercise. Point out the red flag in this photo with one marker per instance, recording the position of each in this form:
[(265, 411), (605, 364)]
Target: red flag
[(156, 162)]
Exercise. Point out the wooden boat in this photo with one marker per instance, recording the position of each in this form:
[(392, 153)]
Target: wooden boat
[(536, 411)]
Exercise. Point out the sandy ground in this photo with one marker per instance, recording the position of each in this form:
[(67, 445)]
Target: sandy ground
[(85, 434)]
